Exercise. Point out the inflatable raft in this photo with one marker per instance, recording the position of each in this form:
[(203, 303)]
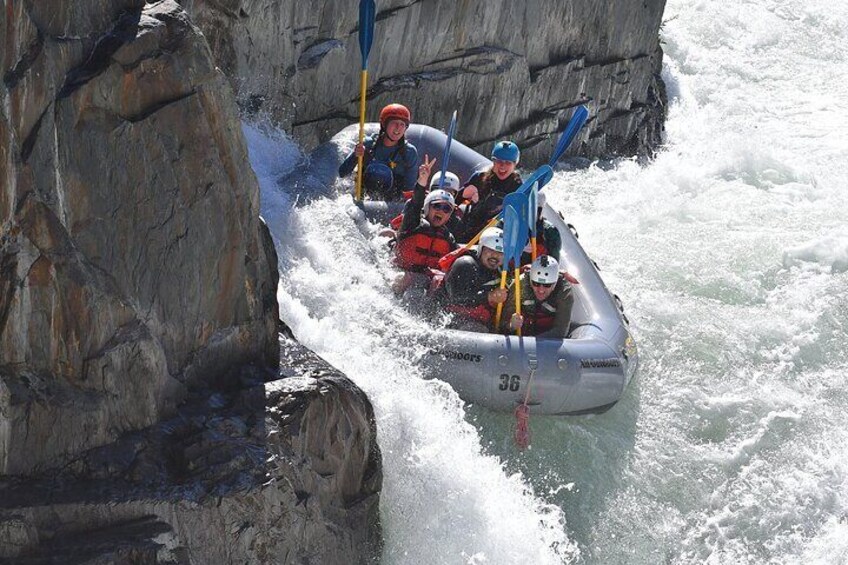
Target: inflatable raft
[(585, 373)]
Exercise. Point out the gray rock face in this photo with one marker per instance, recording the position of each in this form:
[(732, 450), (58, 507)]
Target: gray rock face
[(512, 69), (281, 472), (136, 277), (132, 255)]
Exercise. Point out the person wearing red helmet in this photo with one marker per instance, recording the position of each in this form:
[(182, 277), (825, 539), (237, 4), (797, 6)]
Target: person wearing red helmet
[(389, 148)]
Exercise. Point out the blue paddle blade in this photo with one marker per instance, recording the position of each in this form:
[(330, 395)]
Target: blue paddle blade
[(446, 155), (367, 16), (511, 232), (581, 114), (515, 204), (540, 177), (532, 204)]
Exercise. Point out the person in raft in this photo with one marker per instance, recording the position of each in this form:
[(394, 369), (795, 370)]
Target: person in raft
[(386, 152), (451, 184), (485, 190), (546, 301), (471, 284), (423, 237)]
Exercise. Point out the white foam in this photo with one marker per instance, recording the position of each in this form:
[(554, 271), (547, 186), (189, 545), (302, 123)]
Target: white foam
[(830, 251), (444, 500)]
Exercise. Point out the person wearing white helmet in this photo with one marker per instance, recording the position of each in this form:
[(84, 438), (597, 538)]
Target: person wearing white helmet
[(423, 237), (547, 299), (548, 238), (471, 284), (451, 184)]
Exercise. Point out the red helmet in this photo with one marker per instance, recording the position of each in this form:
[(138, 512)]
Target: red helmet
[(395, 112)]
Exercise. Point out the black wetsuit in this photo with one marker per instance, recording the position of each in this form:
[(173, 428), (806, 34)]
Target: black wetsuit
[(491, 191), (467, 287)]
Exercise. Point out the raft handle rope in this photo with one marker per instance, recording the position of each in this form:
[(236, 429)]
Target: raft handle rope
[(522, 411), (620, 305)]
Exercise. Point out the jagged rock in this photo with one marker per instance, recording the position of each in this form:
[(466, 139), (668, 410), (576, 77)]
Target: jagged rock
[(134, 263), (286, 471), (512, 69), (137, 275)]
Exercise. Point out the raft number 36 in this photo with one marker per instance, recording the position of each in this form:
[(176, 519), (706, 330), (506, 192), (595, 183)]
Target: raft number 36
[(510, 382)]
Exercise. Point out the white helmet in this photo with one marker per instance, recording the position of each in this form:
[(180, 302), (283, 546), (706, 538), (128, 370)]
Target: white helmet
[(544, 270), (438, 196), (493, 239), (451, 181)]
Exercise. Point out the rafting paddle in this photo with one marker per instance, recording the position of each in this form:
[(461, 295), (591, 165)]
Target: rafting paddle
[(519, 203), (515, 238), (367, 16), (545, 173), (532, 213), (446, 156)]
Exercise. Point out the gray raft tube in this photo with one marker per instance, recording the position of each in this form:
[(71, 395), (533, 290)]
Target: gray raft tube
[(585, 373)]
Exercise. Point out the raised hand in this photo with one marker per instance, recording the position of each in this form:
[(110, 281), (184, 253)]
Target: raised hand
[(424, 170), (496, 296), (516, 322)]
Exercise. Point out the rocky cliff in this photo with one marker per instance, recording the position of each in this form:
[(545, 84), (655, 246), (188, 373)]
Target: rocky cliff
[(286, 471), (140, 401), (512, 69)]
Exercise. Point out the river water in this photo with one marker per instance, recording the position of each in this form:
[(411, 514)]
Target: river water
[(730, 252)]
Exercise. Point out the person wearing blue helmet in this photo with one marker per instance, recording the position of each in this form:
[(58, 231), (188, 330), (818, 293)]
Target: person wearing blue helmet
[(485, 190), (390, 148)]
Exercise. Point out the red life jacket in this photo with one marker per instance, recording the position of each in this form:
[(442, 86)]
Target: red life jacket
[(481, 313), (538, 320), (446, 261), (422, 248)]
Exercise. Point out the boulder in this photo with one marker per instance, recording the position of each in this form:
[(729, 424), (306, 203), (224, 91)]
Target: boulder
[(284, 471)]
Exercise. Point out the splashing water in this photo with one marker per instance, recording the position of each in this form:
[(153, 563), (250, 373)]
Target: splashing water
[(730, 251), (444, 499)]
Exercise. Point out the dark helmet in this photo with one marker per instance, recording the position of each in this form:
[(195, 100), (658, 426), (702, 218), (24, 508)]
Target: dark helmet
[(378, 177)]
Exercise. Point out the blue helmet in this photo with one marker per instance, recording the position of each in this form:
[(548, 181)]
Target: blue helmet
[(378, 177), (506, 151)]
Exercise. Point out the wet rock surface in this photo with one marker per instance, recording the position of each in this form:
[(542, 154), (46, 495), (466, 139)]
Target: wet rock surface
[(512, 69), (133, 257), (283, 471), (143, 414)]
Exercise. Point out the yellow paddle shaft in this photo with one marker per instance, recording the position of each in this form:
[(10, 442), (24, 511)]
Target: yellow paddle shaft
[(363, 84), (500, 305), (518, 295), (476, 238)]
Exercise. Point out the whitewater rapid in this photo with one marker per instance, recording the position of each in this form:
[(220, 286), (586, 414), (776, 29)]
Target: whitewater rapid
[(730, 252)]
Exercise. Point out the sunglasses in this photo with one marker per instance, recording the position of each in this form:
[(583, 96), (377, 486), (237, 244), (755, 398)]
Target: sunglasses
[(442, 206), (542, 285)]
